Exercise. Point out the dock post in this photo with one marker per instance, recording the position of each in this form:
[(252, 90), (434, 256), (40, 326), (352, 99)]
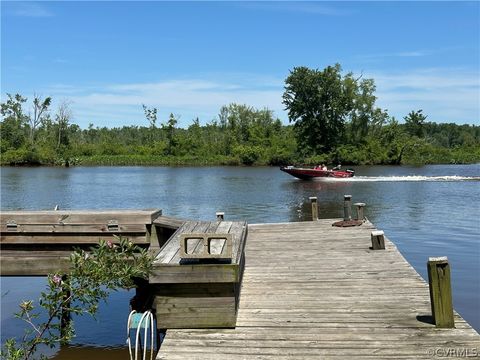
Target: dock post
[(347, 207), (360, 207), (440, 292), (220, 216), (313, 200), (378, 240)]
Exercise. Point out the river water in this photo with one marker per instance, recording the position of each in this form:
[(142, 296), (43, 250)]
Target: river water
[(426, 211)]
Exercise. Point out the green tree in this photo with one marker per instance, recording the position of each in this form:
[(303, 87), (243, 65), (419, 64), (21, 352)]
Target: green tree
[(330, 110), (151, 115), (170, 130), (318, 102), (14, 123), (62, 120), (415, 123), (365, 118), (40, 114)]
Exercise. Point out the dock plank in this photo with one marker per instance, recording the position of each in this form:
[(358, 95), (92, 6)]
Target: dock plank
[(313, 291), (72, 217)]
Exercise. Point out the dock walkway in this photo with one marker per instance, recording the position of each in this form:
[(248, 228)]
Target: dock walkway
[(313, 291)]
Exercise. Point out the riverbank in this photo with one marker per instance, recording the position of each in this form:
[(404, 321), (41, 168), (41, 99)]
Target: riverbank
[(352, 158)]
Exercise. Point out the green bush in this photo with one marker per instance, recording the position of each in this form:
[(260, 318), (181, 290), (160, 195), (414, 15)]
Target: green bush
[(248, 154), (22, 156)]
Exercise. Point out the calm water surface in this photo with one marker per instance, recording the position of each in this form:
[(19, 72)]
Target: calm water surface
[(426, 211)]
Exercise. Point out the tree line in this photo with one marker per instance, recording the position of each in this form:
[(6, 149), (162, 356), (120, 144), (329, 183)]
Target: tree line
[(333, 119)]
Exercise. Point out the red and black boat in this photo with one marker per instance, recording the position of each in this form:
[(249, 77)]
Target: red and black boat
[(311, 173)]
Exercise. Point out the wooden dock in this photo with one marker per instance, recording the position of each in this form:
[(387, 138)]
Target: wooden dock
[(292, 290), (313, 291)]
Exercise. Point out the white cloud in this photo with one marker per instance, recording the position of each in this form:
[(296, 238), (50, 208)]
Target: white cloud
[(30, 9), (304, 7), (397, 54), (120, 104), (445, 95)]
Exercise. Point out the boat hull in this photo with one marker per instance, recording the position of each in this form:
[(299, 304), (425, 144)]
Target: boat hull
[(307, 174)]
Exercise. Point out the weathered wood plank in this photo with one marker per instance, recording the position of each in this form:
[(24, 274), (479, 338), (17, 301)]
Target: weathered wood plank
[(40, 240), (71, 228), (72, 217), (168, 222), (188, 273), (239, 231), (218, 246), (34, 266)]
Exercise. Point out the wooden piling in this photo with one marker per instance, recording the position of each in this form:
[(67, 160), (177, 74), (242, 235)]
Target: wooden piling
[(313, 200), (440, 292), (360, 207), (220, 216), (347, 207), (378, 240)]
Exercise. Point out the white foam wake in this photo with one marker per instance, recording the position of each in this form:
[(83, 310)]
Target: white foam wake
[(405, 178)]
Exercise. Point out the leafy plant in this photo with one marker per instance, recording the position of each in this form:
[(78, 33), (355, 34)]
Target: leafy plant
[(92, 277)]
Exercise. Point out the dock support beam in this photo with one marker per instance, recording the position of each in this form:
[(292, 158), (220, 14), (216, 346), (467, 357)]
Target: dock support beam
[(313, 200), (220, 216), (440, 292), (347, 207)]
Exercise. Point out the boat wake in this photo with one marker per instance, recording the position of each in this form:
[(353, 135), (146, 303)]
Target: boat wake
[(402, 178)]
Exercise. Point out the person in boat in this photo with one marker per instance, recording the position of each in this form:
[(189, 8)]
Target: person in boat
[(324, 168)]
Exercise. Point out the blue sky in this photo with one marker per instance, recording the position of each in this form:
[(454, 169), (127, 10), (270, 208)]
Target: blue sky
[(107, 58)]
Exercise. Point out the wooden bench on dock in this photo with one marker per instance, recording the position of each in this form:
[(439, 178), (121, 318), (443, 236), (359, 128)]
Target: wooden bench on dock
[(197, 275)]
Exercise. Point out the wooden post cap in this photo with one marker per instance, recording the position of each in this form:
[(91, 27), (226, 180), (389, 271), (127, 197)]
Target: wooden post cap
[(378, 233), (313, 198), (220, 215), (347, 197), (438, 260), (359, 204)]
